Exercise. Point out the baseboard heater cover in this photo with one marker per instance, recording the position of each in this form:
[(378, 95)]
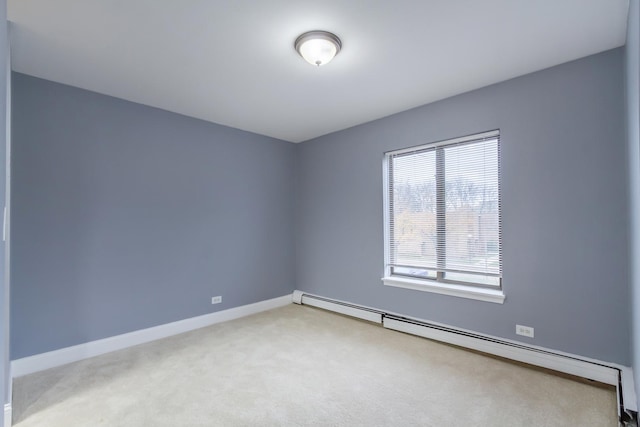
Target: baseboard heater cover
[(521, 353), (592, 370), (619, 376), (338, 306)]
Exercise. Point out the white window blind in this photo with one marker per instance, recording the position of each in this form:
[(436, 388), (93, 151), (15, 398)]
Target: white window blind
[(443, 211)]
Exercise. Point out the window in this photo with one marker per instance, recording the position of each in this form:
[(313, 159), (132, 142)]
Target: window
[(442, 217)]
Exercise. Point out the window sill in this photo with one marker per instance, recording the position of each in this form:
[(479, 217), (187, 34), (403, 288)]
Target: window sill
[(482, 294)]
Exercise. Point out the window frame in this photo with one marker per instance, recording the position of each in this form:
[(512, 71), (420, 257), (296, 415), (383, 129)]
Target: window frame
[(439, 284)]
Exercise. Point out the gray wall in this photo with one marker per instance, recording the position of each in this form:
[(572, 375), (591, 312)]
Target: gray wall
[(127, 217), (632, 74), (5, 381), (564, 197)]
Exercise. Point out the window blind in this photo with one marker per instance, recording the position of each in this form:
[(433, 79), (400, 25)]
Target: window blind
[(444, 210)]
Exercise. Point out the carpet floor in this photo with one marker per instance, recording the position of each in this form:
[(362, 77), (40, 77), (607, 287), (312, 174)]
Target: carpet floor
[(302, 366)]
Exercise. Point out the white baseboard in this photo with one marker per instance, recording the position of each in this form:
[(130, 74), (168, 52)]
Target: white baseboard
[(51, 359), (7, 415)]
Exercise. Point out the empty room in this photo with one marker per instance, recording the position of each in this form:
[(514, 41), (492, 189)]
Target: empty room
[(335, 213)]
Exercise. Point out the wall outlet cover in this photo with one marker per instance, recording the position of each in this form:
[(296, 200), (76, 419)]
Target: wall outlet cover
[(526, 331)]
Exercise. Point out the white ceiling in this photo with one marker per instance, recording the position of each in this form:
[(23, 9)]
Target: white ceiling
[(232, 62)]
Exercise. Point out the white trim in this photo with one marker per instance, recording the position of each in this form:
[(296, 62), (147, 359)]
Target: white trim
[(386, 214), (40, 362), (7, 415), (471, 292)]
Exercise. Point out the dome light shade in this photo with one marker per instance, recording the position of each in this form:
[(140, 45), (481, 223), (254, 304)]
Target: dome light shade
[(318, 47)]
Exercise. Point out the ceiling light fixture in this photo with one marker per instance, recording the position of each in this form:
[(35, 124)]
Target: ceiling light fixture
[(318, 47)]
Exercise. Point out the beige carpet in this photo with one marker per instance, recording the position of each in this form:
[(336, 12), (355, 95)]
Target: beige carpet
[(302, 366)]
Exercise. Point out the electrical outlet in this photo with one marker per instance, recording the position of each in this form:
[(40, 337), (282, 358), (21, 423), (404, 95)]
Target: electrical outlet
[(527, 331), (216, 300)]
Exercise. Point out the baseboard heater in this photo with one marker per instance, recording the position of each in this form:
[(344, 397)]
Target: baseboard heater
[(618, 376), (341, 307)]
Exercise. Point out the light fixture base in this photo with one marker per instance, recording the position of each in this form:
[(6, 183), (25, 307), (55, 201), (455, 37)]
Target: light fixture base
[(318, 47)]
